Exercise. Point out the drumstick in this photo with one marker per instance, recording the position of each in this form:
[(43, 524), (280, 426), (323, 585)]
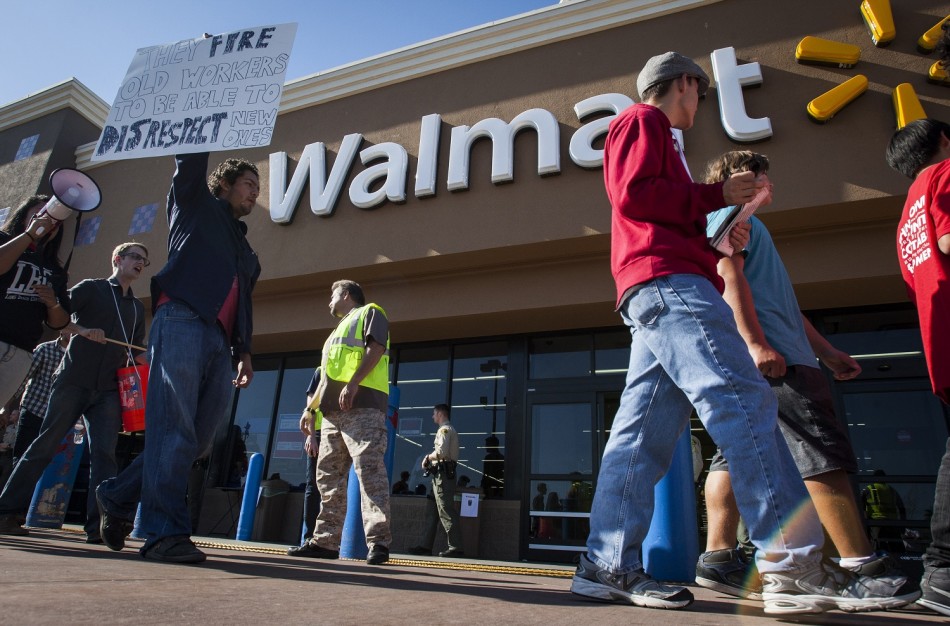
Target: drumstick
[(127, 345)]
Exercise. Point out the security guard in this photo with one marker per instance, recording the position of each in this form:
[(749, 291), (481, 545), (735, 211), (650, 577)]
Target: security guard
[(353, 394), (442, 463)]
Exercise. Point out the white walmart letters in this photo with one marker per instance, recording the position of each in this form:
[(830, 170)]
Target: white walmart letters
[(389, 161)]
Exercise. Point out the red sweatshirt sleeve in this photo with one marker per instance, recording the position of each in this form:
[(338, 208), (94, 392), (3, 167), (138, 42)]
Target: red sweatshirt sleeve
[(644, 177)]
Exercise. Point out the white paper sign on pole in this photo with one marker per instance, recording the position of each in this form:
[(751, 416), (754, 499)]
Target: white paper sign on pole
[(469, 505), (199, 95)]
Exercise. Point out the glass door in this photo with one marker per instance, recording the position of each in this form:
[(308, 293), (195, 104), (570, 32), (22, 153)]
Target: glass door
[(567, 433), (899, 431)]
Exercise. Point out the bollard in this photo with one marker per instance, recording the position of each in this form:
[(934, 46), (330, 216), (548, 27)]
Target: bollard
[(353, 539), (252, 488), (137, 532), (671, 547), (52, 492), (392, 412)]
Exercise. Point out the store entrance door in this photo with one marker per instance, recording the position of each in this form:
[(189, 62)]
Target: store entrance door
[(568, 431)]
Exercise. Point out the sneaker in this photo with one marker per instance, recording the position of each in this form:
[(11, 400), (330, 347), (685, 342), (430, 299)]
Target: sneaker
[(885, 577), (729, 572), (112, 529), (10, 525), (636, 588), (313, 551), (823, 587), (93, 539), (176, 549), (420, 551), (453, 553), (935, 586), (377, 555)]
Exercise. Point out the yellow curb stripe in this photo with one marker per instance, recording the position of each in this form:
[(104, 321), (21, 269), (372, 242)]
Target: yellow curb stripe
[(466, 566)]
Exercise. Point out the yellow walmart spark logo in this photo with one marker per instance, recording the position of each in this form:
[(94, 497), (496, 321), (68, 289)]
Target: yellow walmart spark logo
[(879, 20)]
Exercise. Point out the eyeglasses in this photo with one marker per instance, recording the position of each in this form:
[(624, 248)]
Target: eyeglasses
[(135, 256)]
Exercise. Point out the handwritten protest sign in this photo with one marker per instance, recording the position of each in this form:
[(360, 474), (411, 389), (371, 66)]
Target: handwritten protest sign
[(199, 95)]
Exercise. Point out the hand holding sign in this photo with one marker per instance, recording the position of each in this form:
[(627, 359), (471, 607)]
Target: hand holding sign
[(200, 95)]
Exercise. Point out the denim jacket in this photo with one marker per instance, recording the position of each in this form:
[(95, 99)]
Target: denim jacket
[(207, 248)]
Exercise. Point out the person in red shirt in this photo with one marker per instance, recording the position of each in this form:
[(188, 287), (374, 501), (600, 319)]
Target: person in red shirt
[(686, 352), (921, 151)]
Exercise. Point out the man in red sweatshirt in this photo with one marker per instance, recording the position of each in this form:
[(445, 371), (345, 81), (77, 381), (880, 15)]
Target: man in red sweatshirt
[(686, 352)]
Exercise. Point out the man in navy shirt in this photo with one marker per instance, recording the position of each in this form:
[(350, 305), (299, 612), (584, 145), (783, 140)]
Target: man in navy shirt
[(201, 330)]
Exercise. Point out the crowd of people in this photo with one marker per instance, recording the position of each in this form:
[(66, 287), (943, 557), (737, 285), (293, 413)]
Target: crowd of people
[(721, 334)]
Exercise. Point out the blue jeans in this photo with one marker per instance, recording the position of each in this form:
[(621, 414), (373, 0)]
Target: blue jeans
[(188, 397), (686, 352), (938, 552), (102, 413)]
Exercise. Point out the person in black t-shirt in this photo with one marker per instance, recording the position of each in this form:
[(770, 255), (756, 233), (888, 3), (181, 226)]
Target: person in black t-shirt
[(32, 289)]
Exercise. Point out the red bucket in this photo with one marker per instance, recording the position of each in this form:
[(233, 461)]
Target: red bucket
[(133, 383)]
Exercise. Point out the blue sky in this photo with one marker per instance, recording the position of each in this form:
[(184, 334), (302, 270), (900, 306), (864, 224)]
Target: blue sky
[(48, 41)]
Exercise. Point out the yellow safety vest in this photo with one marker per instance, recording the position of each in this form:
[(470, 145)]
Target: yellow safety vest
[(317, 415), (345, 347), (881, 502)]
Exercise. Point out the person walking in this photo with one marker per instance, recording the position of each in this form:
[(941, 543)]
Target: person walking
[(85, 385), (201, 333), (686, 352), (442, 463)]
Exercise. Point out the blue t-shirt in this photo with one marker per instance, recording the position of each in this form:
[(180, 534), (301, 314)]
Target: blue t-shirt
[(775, 303)]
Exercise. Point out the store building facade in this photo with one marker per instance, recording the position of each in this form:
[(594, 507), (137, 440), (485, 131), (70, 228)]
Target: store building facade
[(459, 182)]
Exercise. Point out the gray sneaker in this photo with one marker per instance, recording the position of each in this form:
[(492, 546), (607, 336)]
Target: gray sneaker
[(728, 572), (823, 586), (936, 590), (883, 576), (637, 588)]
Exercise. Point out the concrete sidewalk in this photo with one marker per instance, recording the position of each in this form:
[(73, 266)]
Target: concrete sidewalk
[(52, 576)]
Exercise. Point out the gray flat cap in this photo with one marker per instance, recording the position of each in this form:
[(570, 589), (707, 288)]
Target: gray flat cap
[(670, 65)]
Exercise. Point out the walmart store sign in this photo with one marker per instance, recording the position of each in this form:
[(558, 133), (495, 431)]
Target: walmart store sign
[(385, 179)]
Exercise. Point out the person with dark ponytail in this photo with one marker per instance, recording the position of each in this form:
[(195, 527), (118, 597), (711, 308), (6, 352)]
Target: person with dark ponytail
[(32, 289)]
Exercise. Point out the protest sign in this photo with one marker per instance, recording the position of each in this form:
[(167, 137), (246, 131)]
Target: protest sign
[(199, 95)]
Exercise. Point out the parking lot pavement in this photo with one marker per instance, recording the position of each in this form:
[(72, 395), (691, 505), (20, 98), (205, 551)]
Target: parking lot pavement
[(52, 576)]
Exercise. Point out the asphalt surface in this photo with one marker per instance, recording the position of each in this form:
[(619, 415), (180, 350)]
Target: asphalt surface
[(53, 577)]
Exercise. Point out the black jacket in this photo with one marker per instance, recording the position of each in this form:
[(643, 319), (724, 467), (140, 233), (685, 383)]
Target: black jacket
[(207, 248)]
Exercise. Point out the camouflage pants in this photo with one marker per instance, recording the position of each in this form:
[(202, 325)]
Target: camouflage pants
[(356, 438)]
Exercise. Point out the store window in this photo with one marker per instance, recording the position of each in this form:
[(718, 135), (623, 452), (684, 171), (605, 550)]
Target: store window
[(287, 455), (611, 352), (251, 429), (479, 383), (422, 377), (561, 439), (560, 514), (472, 379), (898, 428), (562, 472), (566, 356)]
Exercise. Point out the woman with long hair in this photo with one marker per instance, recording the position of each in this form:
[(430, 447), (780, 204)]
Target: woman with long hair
[(32, 289)]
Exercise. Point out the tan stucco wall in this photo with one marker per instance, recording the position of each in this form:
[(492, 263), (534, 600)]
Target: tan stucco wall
[(532, 255)]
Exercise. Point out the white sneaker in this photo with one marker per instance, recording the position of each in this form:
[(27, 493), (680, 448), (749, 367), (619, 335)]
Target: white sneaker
[(822, 587)]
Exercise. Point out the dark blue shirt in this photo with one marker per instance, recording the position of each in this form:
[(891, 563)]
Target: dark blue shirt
[(207, 248)]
